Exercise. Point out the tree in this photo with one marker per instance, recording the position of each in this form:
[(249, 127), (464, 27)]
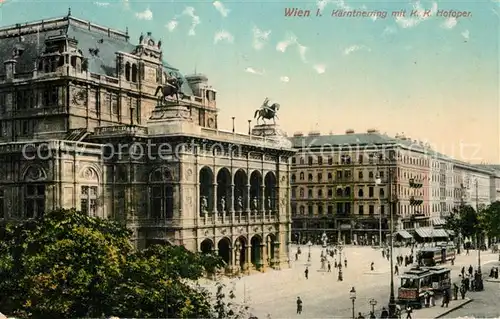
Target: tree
[(490, 219), (67, 265), (463, 220)]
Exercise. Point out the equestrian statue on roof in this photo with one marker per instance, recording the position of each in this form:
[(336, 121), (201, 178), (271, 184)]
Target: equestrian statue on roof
[(172, 87), (267, 112)]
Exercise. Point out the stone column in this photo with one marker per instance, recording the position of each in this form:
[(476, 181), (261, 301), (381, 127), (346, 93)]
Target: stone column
[(262, 202), (248, 253), (247, 199), (231, 205), (236, 260), (214, 201), (263, 255), (277, 255)]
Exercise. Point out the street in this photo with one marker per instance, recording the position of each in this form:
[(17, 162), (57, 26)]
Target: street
[(275, 292)]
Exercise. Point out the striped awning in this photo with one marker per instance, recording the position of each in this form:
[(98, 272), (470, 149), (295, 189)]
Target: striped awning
[(438, 221), (428, 232), (405, 234)]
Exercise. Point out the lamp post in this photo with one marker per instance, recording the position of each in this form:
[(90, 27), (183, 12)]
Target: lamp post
[(392, 299), (249, 125), (378, 181), (352, 295), (233, 123), (479, 280), (373, 303)]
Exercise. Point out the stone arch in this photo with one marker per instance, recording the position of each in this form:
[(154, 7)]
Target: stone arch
[(134, 72), (240, 190), (33, 173), (256, 250), (207, 246), (255, 190), (224, 248), (89, 173), (206, 180), (270, 184), (127, 71), (223, 189), (241, 246), (161, 193)]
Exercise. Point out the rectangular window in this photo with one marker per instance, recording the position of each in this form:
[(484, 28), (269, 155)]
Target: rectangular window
[(34, 201), (339, 174), (371, 209), (340, 208), (310, 210), (382, 209), (88, 200), (114, 105), (162, 201), (360, 210), (370, 192), (330, 210)]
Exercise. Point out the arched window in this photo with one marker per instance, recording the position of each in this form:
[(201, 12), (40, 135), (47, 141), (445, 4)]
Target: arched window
[(301, 176), (330, 193), (382, 193), (339, 192), (89, 192), (161, 194), (134, 72), (301, 193), (360, 175), (347, 191), (320, 193), (302, 210), (34, 192), (320, 160), (360, 193), (127, 71), (293, 178), (370, 175), (301, 161), (310, 177)]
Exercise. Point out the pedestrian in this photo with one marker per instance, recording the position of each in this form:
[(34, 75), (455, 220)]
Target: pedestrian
[(306, 273), (371, 266), (470, 270), (360, 316), (409, 310), (446, 298), (455, 291), (384, 314), (329, 267), (432, 299), (467, 252), (299, 306), (383, 253), (335, 264), (345, 263), (296, 256), (463, 291), (453, 261), (427, 298), (463, 271), (396, 270)]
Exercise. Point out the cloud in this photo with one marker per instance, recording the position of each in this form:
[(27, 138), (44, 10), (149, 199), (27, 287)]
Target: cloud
[(195, 20), (126, 4), (188, 12), (411, 22), (466, 34), (219, 6), (259, 37), (389, 30), (449, 23), (320, 68), (102, 4), (254, 71), (354, 48), (285, 79), (171, 25), (282, 46), (145, 15), (223, 35)]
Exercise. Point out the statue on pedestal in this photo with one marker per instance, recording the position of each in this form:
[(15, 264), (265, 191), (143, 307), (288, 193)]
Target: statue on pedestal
[(255, 203), (239, 203), (203, 204), (269, 203), (223, 203), (267, 112), (172, 87)]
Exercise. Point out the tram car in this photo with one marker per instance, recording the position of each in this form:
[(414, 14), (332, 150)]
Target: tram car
[(416, 282), (432, 256)]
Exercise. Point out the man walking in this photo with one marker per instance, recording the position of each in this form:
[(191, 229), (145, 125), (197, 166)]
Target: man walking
[(329, 267), (306, 273), (299, 306)]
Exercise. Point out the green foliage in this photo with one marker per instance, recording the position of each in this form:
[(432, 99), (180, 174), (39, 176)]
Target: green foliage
[(68, 265), (464, 220), (490, 219)]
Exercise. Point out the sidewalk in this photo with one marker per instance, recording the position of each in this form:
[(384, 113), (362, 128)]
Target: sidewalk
[(437, 311)]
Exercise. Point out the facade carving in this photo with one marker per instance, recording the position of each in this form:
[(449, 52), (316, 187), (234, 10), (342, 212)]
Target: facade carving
[(85, 130)]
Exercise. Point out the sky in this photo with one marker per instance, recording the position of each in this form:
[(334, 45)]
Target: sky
[(433, 78)]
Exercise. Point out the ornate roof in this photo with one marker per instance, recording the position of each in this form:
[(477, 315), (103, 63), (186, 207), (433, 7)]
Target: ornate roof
[(32, 38)]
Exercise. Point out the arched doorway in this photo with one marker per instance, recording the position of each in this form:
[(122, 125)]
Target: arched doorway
[(223, 190), (240, 190), (270, 191), (256, 256), (271, 246), (255, 191), (206, 190), (224, 247), (241, 251), (207, 246)]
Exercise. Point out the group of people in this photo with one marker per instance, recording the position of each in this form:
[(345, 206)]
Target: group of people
[(494, 272), (469, 278)]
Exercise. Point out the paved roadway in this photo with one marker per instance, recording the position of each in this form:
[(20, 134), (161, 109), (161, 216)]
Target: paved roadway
[(275, 292), (485, 304)]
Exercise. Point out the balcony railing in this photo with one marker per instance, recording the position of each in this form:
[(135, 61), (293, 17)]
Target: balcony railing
[(121, 129), (238, 218), (415, 184)]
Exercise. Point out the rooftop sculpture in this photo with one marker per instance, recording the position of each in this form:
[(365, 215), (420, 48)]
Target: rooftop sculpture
[(267, 112)]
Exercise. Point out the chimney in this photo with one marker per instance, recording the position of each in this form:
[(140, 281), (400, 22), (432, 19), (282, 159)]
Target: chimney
[(349, 131), (298, 134), (371, 131), (314, 133), (10, 69)]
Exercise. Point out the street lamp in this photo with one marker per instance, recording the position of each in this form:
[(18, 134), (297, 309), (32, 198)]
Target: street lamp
[(378, 181), (373, 303), (479, 280), (352, 295), (309, 253), (392, 299)]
